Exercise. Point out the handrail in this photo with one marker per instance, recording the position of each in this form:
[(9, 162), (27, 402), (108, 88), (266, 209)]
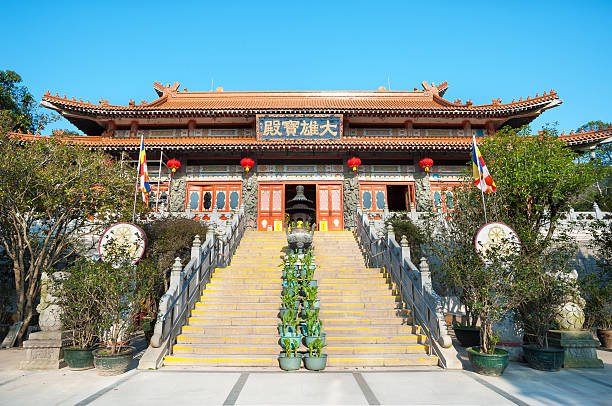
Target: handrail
[(187, 283), (424, 314)]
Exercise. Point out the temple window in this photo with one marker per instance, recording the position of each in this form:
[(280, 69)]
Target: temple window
[(203, 198)]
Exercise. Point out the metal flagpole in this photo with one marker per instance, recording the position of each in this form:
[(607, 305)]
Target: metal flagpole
[(137, 176), (161, 155), (484, 207)]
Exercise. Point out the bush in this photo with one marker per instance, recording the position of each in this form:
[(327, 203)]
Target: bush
[(167, 238), (403, 226), (78, 298)]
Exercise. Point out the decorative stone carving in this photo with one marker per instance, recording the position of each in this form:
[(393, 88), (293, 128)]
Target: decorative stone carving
[(44, 349), (178, 195), (422, 190), (570, 317), (48, 309), (350, 191), (249, 197)]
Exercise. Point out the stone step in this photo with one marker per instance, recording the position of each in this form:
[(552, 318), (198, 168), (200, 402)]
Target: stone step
[(271, 329), (252, 349), (342, 349), (377, 339), (379, 285), (251, 360), (337, 313), (370, 330), (249, 306), (390, 299), (253, 292), (374, 291), (400, 360), (264, 314), (240, 299), (192, 337), (348, 306), (196, 320), (366, 321), (242, 284)]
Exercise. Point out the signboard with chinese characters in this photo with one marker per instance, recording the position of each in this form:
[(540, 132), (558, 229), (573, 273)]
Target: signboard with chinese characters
[(299, 126)]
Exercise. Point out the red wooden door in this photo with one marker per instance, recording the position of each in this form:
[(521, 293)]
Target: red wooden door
[(373, 197), (329, 208), (271, 207)]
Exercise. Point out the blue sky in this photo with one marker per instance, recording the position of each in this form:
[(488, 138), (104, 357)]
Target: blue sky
[(485, 50)]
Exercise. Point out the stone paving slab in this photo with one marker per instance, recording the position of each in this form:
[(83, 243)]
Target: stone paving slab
[(520, 385)]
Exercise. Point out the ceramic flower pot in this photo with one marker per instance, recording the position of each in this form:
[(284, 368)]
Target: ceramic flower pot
[(79, 359), (489, 364), (315, 363), (112, 364), (467, 336), (605, 337), (544, 359), (289, 363)]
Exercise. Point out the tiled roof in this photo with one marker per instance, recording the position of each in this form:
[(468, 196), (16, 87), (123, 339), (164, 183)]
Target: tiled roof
[(345, 143), (251, 143), (429, 101), (587, 137)]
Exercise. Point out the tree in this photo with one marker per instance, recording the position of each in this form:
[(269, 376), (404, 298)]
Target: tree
[(18, 108), (601, 191), (53, 198), (537, 178)]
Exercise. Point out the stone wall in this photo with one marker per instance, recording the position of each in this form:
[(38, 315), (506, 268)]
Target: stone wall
[(249, 198), (350, 193), (178, 191), (422, 190)]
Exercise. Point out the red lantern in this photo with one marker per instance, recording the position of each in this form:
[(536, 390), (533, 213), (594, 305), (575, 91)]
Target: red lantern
[(247, 164), (174, 164), (354, 163), (426, 163)]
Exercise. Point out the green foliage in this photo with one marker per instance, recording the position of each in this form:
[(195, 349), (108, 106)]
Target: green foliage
[(315, 347), (539, 287), (310, 293), (120, 288), (78, 296), (452, 244), (537, 178), (52, 196), (18, 108), (403, 226), (313, 324), (596, 287), (287, 345), (169, 238)]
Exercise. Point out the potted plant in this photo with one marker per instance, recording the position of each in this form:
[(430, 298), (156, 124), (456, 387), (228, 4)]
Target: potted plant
[(80, 313), (288, 329), (540, 288), (597, 291), (597, 286), (315, 361), (312, 327), (289, 359), (120, 287), (492, 277)]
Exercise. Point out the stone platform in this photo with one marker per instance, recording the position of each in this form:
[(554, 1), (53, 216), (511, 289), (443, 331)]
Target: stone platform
[(580, 348)]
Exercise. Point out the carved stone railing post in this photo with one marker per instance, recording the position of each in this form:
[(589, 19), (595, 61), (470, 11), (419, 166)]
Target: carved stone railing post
[(425, 274), (405, 250)]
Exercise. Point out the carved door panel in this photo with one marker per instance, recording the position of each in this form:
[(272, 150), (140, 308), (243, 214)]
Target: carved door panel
[(271, 205), (329, 208), (373, 198)]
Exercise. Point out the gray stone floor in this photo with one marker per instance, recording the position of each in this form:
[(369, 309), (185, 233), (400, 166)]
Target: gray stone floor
[(519, 385)]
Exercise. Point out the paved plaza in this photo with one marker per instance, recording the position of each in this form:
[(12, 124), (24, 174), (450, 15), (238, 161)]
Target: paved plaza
[(520, 385)]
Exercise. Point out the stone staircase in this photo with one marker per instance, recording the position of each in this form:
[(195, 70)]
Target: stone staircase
[(363, 318), (235, 322)]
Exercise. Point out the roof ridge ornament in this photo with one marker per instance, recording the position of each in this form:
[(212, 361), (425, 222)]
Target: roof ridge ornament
[(167, 89)]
